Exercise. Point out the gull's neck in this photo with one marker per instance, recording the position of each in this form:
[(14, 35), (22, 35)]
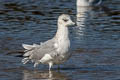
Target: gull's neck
[(62, 42), (62, 32)]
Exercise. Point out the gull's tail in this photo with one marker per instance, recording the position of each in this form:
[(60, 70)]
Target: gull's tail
[(28, 52)]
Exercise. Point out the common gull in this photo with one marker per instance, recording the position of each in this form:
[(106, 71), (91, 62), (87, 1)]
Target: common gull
[(53, 51)]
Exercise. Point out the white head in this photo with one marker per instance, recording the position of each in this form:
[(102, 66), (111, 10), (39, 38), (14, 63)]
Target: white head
[(65, 20)]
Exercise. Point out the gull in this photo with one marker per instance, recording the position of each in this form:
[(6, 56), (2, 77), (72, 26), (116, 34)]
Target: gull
[(54, 51), (88, 2)]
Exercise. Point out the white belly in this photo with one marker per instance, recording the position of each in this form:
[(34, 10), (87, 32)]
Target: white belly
[(61, 58)]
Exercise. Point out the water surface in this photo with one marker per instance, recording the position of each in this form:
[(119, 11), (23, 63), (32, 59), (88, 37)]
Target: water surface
[(95, 41)]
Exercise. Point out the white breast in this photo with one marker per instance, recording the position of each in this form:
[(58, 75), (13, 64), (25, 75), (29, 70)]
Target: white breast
[(63, 46)]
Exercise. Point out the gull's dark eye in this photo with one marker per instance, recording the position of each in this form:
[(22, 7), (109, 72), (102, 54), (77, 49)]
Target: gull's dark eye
[(65, 20)]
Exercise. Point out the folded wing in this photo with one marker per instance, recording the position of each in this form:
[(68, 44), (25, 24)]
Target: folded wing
[(36, 52)]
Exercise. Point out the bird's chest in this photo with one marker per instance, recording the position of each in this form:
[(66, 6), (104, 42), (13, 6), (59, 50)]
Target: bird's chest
[(62, 45)]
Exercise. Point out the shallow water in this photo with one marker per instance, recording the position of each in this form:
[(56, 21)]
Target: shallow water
[(95, 41)]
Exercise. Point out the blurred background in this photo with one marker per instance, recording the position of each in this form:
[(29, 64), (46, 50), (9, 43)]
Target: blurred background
[(95, 41)]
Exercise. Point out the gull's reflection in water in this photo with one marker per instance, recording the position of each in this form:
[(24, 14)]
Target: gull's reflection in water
[(44, 75), (84, 19), (84, 14)]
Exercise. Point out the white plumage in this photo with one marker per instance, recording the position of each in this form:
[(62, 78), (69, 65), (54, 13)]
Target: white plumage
[(88, 2), (53, 51)]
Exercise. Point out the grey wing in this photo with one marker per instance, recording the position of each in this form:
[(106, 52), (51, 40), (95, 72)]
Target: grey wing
[(35, 53)]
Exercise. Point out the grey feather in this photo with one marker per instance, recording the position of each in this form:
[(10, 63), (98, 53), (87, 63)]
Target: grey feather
[(35, 53)]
